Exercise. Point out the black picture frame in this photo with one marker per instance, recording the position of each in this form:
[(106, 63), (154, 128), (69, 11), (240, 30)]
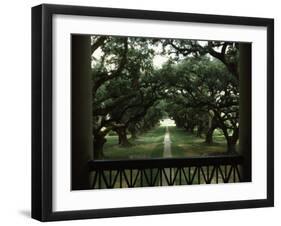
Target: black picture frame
[(42, 111)]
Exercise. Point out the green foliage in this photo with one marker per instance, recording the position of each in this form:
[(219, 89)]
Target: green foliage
[(129, 92)]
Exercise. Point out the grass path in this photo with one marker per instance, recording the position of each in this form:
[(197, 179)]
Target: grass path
[(164, 141), (167, 144), (147, 145), (167, 153)]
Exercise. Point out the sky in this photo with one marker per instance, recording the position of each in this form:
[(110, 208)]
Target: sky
[(167, 122), (158, 59)]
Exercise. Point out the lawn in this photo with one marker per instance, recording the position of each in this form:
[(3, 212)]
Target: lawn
[(147, 145), (187, 145), (150, 145)]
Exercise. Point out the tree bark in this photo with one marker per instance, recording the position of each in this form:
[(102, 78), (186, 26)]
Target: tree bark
[(99, 141), (231, 146), (232, 141), (209, 136), (211, 128), (134, 134), (122, 137), (200, 129), (132, 129)]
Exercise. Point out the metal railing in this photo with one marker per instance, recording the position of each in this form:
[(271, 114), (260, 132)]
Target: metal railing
[(165, 172)]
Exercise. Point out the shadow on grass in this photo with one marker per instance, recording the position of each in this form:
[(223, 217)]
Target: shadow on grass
[(188, 145)]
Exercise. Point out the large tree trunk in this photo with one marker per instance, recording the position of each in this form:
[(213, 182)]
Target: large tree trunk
[(122, 135), (133, 132), (231, 146), (212, 126), (200, 129), (99, 141), (232, 141), (209, 135)]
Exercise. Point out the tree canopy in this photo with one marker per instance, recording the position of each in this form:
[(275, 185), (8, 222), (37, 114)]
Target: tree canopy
[(197, 86)]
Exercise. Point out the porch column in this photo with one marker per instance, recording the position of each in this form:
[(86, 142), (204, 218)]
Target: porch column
[(245, 109), (81, 123)]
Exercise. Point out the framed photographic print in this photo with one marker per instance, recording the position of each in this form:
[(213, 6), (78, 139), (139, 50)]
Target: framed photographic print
[(146, 112)]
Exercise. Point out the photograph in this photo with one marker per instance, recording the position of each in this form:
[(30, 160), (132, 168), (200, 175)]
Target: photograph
[(164, 112), (140, 112)]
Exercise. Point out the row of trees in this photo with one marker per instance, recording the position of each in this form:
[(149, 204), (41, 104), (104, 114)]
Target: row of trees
[(207, 87), (205, 97), (197, 87), (126, 89)]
